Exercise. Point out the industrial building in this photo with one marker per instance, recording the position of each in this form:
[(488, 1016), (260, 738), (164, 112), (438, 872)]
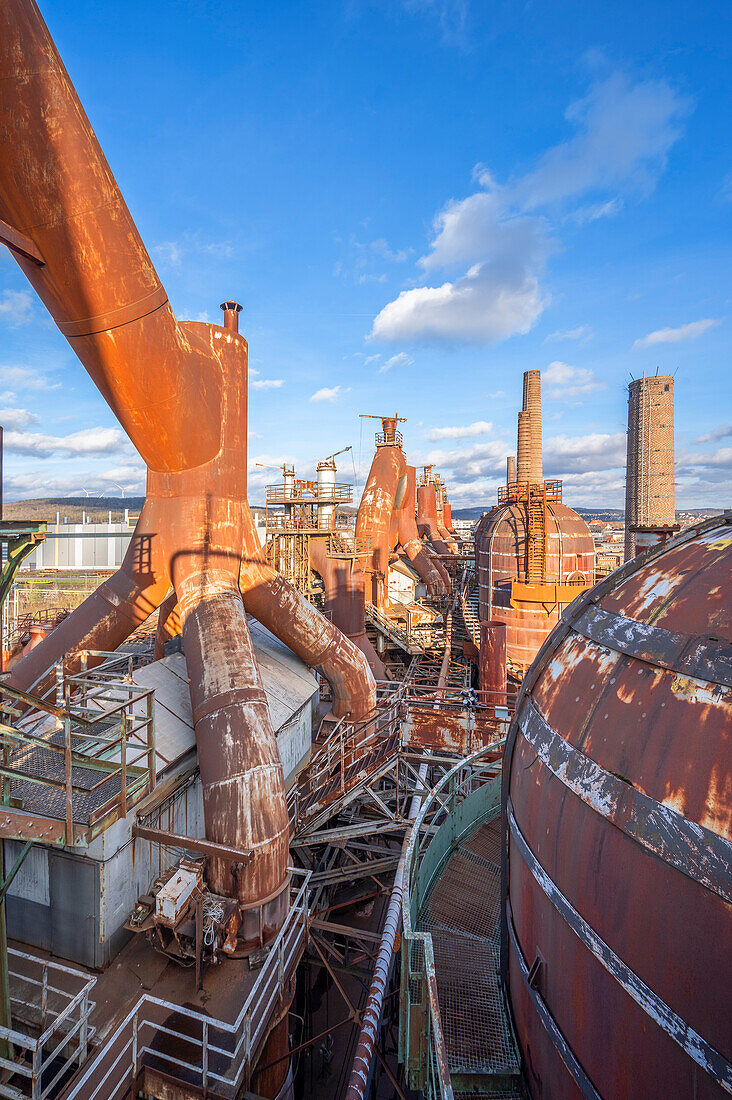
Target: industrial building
[(350, 811)]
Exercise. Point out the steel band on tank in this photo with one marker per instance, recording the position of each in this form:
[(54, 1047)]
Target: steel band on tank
[(563, 1048), (702, 1052), (702, 658), (698, 853)]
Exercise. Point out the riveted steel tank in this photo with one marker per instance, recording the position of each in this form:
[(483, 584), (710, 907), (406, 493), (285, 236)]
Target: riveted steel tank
[(617, 851), (501, 559)]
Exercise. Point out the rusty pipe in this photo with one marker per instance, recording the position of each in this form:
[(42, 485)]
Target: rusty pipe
[(108, 616), (343, 581), (364, 1056), (241, 771), (427, 517), (412, 544), (169, 624), (96, 280), (271, 599)]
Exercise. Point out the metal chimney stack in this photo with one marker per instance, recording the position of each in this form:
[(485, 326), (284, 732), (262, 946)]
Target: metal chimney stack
[(650, 500)]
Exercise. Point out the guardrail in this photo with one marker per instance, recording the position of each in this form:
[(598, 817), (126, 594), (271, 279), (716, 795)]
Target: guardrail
[(53, 1001), (210, 1054), (102, 723), (422, 1047), (308, 493)]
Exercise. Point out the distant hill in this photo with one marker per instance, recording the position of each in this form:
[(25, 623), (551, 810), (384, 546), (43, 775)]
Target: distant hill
[(72, 509)]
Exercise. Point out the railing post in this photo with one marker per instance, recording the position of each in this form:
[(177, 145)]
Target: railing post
[(44, 996), (123, 764), (151, 762), (84, 1031), (134, 1053), (204, 1058), (36, 1079), (60, 683), (69, 782)]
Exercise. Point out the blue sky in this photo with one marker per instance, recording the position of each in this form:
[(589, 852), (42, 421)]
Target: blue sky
[(415, 201)]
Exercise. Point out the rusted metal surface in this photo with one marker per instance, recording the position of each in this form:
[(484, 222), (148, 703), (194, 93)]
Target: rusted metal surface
[(180, 392), (344, 597), (427, 522), (501, 543), (492, 669), (618, 855), (453, 728)]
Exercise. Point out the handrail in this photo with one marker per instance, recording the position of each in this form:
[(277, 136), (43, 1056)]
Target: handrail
[(245, 1032), (422, 1046), (63, 1023)]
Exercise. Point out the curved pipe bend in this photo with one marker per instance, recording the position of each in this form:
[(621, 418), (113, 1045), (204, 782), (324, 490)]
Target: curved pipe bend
[(275, 603)]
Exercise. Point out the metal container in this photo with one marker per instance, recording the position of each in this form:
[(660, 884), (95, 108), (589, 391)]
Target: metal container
[(501, 559), (618, 835)]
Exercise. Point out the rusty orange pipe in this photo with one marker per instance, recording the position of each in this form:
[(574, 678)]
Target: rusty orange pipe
[(412, 544), (343, 581), (97, 280), (427, 517)]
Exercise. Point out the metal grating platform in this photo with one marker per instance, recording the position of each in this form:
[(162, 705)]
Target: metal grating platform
[(46, 765), (462, 913)]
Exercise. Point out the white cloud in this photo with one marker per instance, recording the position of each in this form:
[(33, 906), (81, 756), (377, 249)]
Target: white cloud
[(593, 213), (623, 132), (89, 441), (170, 252), (372, 358), (722, 432), (585, 453), (399, 360), (480, 427), (563, 382), (674, 335), (329, 394), (26, 379), (16, 306), (16, 418), (584, 332), (267, 383), (36, 483)]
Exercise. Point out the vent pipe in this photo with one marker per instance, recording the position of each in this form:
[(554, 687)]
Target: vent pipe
[(231, 315)]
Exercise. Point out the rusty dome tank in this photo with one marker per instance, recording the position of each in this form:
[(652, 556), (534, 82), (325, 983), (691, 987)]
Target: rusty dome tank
[(531, 607), (617, 850)]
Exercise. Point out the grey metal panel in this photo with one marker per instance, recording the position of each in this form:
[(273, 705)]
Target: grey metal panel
[(74, 888), (29, 922)]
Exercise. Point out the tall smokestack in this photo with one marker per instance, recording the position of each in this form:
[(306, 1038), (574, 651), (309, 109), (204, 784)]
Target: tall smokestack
[(532, 405), (649, 483), (523, 453), (510, 469), (529, 467)]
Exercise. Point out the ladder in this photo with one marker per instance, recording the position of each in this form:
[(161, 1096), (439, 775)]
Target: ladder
[(536, 535)]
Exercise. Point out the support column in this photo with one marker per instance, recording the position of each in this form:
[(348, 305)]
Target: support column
[(492, 667)]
